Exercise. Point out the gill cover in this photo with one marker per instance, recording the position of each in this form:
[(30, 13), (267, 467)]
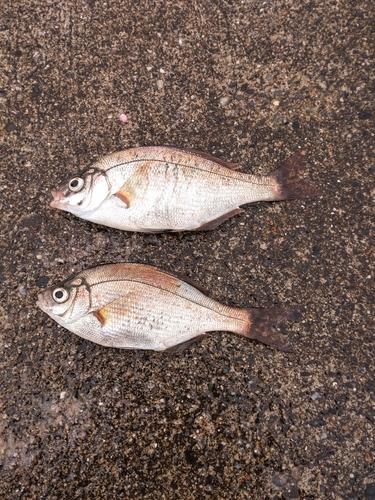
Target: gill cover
[(83, 193)]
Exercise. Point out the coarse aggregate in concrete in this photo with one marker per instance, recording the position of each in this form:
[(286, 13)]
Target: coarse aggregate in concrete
[(248, 81)]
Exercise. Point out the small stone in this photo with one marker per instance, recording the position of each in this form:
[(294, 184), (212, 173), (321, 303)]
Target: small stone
[(364, 115), (9, 127), (22, 290), (276, 103), (62, 394), (370, 492), (123, 118), (315, 395), (317, 422), (323, 436), (159, 84), (291, 493), (224, 100), (263, 246), (42, 282)]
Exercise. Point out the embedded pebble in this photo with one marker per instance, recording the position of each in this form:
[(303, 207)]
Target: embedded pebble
[(315, 395), (224, 100), (10, 127)]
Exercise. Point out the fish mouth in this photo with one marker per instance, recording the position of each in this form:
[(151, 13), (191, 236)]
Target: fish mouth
[(58, 198), (41, 302)]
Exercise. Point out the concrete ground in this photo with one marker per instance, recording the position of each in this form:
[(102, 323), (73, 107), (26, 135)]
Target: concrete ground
[(248, 81)]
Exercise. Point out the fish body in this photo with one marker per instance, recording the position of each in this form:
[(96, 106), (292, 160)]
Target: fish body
[(135, 306), (156, 189)]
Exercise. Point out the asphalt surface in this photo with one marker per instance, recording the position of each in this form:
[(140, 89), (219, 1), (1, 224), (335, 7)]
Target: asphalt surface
[(228, 418)]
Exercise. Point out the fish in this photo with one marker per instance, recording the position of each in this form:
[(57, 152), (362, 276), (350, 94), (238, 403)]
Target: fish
[(137, 306), (161, 188)]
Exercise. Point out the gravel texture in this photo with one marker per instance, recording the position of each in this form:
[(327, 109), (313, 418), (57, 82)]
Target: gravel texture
[(228, 418)]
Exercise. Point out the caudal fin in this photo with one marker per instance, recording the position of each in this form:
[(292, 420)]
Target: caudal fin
[(263, 323), (290, 185)]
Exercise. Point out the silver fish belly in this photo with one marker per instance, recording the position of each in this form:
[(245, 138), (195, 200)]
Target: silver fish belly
[(135, 306), (155, 189)]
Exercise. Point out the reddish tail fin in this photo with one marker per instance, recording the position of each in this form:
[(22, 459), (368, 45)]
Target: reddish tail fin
[(263, 324), (289, 182)]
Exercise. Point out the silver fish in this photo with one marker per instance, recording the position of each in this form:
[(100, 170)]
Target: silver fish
[(135, 306), (155, 189)]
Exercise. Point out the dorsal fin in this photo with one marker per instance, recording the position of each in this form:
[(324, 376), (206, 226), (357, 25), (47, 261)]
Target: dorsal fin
[(182, 277), (207, 156)]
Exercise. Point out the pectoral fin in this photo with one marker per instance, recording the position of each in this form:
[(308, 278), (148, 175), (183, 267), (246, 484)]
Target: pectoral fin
[(216, 222), (125, 196), (101, 315)]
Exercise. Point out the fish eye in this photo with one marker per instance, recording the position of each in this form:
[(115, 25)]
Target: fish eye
[(76, 184), (60, 295)]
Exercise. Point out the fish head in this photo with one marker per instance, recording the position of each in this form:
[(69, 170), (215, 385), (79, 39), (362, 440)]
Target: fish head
[(82, 194), (66, 302)]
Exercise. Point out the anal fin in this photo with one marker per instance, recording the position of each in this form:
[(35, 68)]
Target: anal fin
[(216, 222), (184, 345)]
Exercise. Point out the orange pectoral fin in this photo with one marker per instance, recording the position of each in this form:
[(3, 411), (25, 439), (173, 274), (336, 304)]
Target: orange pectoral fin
[(124, 196), (101, 315)]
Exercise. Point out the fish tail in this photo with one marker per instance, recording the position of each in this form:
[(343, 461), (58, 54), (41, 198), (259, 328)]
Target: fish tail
[(262, 326), (288, 179)]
